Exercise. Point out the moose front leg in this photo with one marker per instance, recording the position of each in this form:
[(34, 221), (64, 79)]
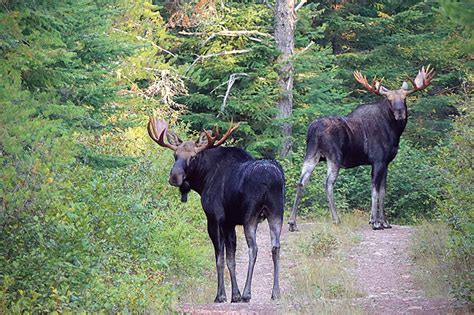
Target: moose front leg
[(379, 174), (230, 247), (383, 221), (374, 220), (217, 237)]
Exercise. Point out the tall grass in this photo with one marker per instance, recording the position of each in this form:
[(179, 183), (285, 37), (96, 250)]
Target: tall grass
[(322, 281), (440, 268)]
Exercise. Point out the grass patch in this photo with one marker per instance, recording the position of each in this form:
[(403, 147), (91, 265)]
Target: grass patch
[(441, 269), (200, 289), (322, 282)]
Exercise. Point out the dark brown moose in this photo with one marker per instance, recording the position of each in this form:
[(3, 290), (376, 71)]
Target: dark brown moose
[(235, 189), (369, 135)]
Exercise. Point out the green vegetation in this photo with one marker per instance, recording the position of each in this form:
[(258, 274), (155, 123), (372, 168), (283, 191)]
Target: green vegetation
[(88, 220), (444, 268)]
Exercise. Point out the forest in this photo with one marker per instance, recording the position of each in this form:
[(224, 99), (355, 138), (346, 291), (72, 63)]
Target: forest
[(88, 219)]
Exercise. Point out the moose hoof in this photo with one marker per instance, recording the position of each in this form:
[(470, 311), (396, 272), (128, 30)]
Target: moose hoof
[(377, 226), (276, 296), (386, 225), (220, 299), (292, 227), (236, 298), (246, 298)]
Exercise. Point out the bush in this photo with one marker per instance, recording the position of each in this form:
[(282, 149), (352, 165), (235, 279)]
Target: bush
[(456, 201), (110, 240)]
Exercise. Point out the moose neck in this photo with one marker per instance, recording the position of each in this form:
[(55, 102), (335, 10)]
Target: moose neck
[(206, 166), (197, 172), (398, 126)]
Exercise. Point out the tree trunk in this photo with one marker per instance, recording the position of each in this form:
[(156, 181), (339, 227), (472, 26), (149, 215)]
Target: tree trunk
[(285, 22)]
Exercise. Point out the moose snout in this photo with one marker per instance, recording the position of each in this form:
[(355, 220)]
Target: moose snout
[(400, 114), (176, 178)]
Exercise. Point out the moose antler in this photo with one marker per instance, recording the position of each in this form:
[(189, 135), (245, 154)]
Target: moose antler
[(157, 129), (376, 85), (211, 140), (422, 80)]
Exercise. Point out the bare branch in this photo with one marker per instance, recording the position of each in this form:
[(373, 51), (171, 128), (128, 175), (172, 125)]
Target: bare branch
[(268, 5), (304, 49), (222, 53), (191, 33), (230, 83), (227, 33), (302, 3), (146, 40)]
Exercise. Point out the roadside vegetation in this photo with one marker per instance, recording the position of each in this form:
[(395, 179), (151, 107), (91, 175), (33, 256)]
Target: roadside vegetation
[(322, 283)]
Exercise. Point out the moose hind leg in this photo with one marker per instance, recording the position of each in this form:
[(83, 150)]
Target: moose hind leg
[(230, 245), (275, 223), (308, 167), (333, 171), (250, 230)]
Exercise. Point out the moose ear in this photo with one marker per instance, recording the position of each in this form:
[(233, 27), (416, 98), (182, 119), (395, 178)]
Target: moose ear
[(382, 89), (405, 86), (173, 138), (202, 141)]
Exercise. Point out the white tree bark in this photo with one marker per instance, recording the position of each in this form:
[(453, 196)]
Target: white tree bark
[(285, 23)]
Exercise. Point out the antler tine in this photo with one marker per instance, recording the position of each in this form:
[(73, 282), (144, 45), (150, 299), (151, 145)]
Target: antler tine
[(210, 139), (231, 129), (423, 79), (362, 79), (158, 136)]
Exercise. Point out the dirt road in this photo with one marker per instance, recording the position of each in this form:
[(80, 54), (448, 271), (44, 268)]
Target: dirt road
[(380, 264)]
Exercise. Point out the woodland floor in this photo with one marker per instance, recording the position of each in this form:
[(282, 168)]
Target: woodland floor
[(380, 264)]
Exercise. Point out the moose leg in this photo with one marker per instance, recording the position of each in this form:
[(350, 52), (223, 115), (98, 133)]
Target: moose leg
[(275, 222), (374, 220), (379, 172), (383, 184), (333, 171), (308, 167), (216, 235), (250, 230), (230, 247)]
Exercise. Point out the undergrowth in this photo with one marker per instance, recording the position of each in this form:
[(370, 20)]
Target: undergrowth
[(441, 269)]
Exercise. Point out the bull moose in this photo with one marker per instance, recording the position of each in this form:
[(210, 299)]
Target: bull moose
[(235, 189), (369, 135)]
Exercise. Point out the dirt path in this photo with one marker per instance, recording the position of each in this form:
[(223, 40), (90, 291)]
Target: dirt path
[(382, 268), (262, 279)]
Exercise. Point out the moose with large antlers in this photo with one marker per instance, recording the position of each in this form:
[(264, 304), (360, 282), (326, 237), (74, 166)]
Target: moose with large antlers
[(369, 135), (235, 190)]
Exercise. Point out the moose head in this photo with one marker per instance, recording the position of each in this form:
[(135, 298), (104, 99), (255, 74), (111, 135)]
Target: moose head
[(396, 98), (184, 151)]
